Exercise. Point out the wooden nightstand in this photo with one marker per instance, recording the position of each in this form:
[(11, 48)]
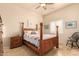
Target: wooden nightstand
[(15, 41)]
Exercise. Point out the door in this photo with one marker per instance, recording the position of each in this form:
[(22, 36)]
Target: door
[(1, 43)]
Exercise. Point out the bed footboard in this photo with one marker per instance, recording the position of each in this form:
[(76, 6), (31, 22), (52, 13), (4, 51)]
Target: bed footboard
[(48, 44)]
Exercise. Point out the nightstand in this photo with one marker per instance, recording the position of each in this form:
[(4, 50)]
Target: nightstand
[(15, 41)]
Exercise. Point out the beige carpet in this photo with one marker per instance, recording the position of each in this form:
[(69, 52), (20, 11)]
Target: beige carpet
[(25, 51)]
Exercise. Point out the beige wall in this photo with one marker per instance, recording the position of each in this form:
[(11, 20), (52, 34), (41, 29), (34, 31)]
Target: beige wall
[(12, 16), (68, 13)]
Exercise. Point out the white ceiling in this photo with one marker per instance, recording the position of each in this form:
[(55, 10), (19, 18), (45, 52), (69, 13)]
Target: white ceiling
[(32, 6), (50, 8)]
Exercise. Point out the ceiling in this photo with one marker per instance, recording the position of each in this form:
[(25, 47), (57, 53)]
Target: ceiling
[(50, 8), (31, 6)]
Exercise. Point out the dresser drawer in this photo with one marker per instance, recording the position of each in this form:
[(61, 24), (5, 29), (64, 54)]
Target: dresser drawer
[(15, 41)]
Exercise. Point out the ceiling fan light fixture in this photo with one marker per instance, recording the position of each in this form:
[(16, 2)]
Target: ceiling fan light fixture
[(43, 4)]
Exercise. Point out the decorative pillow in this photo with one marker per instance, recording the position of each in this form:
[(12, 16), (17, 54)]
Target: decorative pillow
[(27, 33)]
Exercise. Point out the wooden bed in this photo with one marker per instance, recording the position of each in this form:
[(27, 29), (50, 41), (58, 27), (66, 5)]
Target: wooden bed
[(45, 45)]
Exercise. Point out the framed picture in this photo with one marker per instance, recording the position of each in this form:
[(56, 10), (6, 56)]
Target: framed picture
[(71, 24)]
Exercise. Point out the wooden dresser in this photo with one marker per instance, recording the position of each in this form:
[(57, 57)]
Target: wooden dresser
[(1, 39), (1, 44), (15, 41)]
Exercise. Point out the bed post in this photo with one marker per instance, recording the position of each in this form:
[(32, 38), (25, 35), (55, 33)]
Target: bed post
[(57, 31), (41, 37), (36, 27), (22, 30), (57, 35)]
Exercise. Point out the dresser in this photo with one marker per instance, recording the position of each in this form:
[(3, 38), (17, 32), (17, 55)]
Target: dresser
[(1, 39), (15, 41), (1, 44)]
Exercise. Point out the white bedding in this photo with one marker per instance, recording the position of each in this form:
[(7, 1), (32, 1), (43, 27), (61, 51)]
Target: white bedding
[(45, 36), (34, 38)]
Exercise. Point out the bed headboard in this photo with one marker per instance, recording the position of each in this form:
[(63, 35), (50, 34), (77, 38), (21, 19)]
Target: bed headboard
[(27, 29)]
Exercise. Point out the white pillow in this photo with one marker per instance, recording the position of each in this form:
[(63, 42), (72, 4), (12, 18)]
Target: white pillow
[(29, 32)]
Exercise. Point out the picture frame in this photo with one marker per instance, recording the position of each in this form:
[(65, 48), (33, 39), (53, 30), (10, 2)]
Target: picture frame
[(71, 24)]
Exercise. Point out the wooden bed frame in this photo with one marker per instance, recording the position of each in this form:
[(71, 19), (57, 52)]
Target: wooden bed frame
[(45, 45)]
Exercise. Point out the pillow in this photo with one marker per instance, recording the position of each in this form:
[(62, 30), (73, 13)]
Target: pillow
[(27, 32), (34, 32)]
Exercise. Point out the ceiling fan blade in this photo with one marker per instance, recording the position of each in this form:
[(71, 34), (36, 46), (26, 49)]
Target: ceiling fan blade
[(37, 7), (49, 3)]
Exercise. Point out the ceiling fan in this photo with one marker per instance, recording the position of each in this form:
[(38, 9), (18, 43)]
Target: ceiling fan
[(43, 5)]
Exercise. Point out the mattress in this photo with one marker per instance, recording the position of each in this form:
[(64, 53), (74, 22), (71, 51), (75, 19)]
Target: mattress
[(34, 39)]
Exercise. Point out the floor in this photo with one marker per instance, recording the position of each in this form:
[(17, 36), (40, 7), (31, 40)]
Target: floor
[(25, 51)]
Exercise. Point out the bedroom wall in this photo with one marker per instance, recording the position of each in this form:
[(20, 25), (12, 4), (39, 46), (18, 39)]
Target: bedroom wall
[(68, 13), (12, 16)]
